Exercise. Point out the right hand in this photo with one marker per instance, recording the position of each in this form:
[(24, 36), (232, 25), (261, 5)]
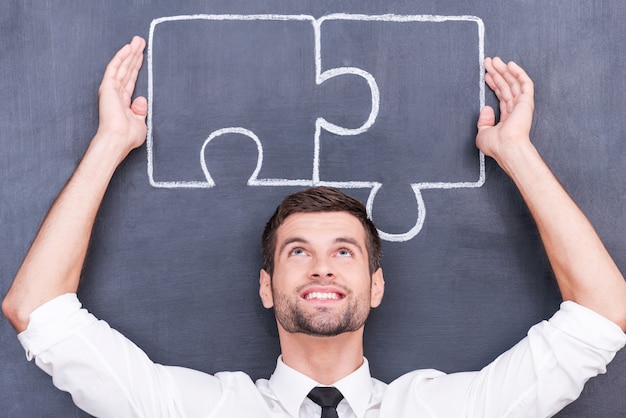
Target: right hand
[(121, 120)]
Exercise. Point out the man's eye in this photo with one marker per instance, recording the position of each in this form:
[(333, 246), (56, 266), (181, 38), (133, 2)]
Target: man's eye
[(344, 252), (297, 251)]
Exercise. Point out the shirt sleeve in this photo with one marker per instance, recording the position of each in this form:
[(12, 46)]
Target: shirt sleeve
[(536, 378), (106, 374)]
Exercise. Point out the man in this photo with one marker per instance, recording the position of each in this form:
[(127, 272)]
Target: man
[(321, 275)]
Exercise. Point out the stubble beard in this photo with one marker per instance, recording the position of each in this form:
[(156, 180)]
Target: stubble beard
[(324, 321)]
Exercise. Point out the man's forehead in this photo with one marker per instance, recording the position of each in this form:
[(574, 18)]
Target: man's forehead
[(339, 223)]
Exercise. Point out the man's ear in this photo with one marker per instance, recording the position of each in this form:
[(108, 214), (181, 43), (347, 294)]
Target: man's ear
[(265, 289), (378, 288)]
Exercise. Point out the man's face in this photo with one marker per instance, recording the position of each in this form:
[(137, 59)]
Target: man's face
[(321, 284)]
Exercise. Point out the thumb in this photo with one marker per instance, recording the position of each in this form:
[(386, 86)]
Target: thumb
[(486, 119), (140, 106)]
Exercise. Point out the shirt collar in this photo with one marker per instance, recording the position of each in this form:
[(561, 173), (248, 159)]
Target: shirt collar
[(356, 388), (291, 387)]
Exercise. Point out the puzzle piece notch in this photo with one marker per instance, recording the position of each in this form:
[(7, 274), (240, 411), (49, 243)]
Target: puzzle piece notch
[(229, 152)]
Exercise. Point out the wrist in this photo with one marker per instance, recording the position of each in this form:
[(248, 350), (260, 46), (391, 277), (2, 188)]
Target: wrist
[(110, 146), (103, 156), (517, 156), (525, 166)]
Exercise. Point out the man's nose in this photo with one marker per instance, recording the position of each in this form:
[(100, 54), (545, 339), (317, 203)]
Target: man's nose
[(321, 268)]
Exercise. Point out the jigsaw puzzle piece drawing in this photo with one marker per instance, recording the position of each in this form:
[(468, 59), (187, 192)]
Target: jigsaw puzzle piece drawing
[(430, 96), (217, 76), (219, 72)]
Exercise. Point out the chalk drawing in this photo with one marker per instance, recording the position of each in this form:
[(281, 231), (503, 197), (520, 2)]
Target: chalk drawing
[(320, 122)]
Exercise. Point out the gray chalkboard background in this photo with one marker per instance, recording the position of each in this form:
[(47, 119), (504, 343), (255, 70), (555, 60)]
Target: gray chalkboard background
[(175, 267)]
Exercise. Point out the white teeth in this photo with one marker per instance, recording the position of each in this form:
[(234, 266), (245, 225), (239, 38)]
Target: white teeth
[(322, 296)]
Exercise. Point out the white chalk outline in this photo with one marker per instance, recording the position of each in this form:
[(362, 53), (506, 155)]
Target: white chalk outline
[(320, 122)]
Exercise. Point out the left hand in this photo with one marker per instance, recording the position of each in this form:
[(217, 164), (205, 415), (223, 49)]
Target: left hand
[(515, 91)]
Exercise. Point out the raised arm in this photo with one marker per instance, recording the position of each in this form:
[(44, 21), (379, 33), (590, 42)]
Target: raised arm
[(54, 262), (585, 272)]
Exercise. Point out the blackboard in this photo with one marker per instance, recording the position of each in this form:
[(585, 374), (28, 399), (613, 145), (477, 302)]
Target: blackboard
[(253, 100)]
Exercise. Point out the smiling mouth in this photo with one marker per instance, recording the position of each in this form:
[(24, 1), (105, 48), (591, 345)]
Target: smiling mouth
[(323, 296)]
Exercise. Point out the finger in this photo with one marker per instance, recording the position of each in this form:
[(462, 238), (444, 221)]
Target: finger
[(488, 79), (486, 119), (132, 61), (502, 88), (525, 82), (140, 106), (511, 81), (129, 68), (113, 66), (503, 104), (509, 77), (492, 84), (137, 47)]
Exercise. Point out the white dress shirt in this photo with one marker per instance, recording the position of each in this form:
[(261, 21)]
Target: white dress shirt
[(108, 376)]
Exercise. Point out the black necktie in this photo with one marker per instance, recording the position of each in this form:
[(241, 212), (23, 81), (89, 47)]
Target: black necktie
[(328, 398)]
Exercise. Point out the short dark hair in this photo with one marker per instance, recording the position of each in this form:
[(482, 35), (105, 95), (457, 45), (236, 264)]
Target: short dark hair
[(319, 199)]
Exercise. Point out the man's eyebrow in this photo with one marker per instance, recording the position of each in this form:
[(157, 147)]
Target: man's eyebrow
[(349, 240), (290, 241)]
